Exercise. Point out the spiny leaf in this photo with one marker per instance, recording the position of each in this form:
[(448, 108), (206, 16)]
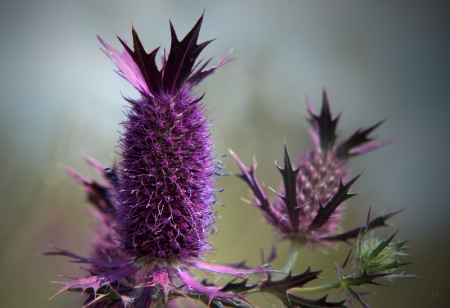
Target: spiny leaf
[(282, 286), (280, 289), (360, 137), (325, 125), (379, 221), (182, 57), (324, 213), (108, 298), (239, 287), (249, 176), (364, 278), (289, 175)]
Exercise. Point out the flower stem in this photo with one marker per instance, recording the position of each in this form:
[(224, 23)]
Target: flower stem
[(321, 288), (293, 255)]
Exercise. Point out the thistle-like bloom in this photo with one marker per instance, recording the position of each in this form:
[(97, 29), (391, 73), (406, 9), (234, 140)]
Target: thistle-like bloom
[(155, 209), (166, 189), (166, 173), (311, 202)]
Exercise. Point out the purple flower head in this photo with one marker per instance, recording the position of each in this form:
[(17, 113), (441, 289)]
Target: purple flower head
[(167, 172), (155, 208), (310, 205)]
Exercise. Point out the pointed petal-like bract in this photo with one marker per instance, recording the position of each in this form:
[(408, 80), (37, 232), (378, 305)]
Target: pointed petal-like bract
[(141, 70), (359, 143), (182, 57), (324, 124), (289, 175), (146, 64), (325, 212), (126, 65)]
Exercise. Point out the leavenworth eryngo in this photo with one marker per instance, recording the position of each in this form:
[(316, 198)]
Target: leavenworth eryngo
[(155, 208)]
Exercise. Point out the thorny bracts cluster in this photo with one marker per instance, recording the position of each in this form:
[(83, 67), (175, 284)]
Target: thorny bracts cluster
[(155, 207)]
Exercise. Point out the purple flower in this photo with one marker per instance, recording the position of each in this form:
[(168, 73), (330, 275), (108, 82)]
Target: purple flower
[(155, 208), (167, 171), (310, 206)]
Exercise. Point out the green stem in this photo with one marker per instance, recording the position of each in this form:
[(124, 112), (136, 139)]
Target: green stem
[(293, 255), (321, 288), (343, 282)]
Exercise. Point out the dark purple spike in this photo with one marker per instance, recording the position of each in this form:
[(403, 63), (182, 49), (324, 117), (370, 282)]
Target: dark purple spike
[(80, 259), (97, 194), (347, 259), (379, 221), (202, 72), (238, 287), (284, 285), (289, 175), (249, 176), (360, 137), (96, 282), (182, 57), (325, 212), (325, 125), (146, 63)]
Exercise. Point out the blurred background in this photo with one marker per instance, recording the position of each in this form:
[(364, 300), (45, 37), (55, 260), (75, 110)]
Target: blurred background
[(378, 60)]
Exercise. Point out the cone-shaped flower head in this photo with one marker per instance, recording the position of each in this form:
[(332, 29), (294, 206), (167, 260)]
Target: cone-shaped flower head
[(167, 172), (310, 204)]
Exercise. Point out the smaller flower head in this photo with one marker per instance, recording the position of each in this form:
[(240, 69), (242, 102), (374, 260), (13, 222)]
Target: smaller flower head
[(377, 256), (311, 203), (372, 261)]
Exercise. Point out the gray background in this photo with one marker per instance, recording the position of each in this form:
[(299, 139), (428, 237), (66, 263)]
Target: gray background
[(60, 99)]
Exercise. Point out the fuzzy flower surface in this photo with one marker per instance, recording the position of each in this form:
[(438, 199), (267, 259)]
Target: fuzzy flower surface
[(310, 204)]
